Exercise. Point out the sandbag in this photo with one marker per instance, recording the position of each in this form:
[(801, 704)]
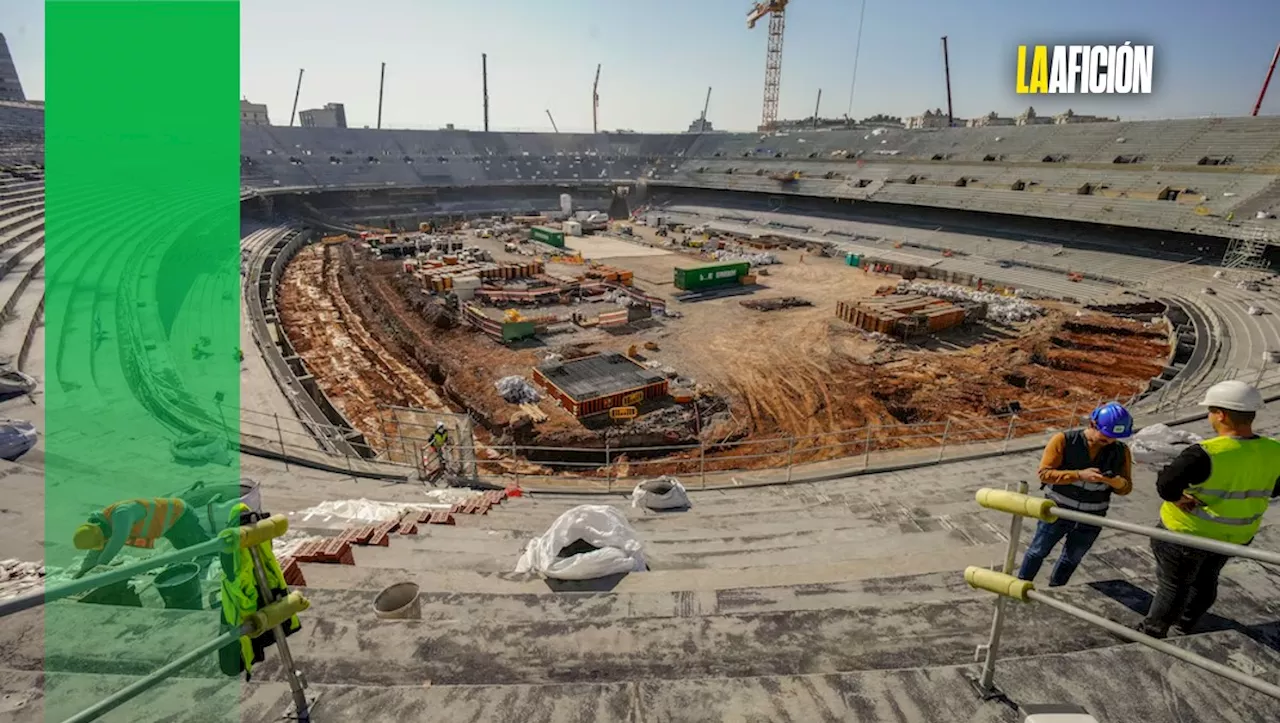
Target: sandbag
[(608, 546), (1158, 444), (663, 493)]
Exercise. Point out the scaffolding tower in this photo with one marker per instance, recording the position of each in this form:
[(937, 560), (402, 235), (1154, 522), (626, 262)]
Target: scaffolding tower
[(1249, 250)]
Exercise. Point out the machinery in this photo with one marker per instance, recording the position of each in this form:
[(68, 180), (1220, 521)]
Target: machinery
[(776, 10)]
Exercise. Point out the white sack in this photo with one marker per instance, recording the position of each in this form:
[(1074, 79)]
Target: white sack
[(599, 525), (663, 493), (1158, 444)]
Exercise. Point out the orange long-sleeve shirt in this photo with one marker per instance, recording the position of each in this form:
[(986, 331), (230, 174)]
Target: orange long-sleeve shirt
[(1051, 461)]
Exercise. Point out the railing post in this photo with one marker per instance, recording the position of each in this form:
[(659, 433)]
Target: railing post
[(943, 449), (791, 450), (1071, 420), (866, 448), (992, 649), (296, 683), (280, 436), (608, 465), (1008, 435), (702, 462)]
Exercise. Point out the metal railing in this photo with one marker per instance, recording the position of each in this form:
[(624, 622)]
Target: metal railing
[(1006, 586), (269, 618)]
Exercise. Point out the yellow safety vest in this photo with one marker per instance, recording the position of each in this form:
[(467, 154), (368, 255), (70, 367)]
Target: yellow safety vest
[(240, 591), (1237, 493)]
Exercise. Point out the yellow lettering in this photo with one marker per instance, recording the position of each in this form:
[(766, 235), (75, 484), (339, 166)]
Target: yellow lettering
[(1040, 70), (1022, 69)]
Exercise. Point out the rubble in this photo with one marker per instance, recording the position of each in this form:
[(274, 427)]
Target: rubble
[(1003, 309), (755, 258), (516, 390), (785, 302)]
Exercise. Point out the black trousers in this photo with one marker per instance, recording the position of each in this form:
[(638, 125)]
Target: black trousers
[(1186, 587)]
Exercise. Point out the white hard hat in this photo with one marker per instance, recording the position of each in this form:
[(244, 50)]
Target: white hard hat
[(1235, 395)]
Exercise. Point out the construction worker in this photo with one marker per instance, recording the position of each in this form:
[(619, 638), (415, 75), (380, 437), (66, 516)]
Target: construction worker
[(136, 523), (241, 597), (439, 439), (1218, 489), (1080, 470)]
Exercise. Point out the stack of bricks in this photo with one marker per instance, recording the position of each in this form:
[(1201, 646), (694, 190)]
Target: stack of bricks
[(337, 550)]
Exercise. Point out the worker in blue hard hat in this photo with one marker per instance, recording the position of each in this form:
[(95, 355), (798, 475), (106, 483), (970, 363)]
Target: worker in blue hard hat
[(1080, 470)]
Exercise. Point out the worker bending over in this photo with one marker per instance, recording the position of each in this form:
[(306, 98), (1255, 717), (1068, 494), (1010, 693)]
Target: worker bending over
[(1218, 489), (1080, 470), (136, 523)]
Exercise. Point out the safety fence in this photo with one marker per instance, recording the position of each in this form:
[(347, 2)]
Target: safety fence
[(271, 616), (401, 440), (1007, 587)]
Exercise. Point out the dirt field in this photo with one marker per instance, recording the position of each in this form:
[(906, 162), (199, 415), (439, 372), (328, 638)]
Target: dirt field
[(371, 336)]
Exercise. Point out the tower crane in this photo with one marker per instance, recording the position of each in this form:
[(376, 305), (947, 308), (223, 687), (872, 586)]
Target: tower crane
[(776, 10)]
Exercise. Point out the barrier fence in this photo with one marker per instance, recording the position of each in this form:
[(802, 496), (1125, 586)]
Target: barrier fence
[(1006, 586), (402, 440)]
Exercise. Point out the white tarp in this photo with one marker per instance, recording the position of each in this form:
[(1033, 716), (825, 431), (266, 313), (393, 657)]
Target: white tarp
[(1158, 444), (663, 493), (368, 511), (618, 548)]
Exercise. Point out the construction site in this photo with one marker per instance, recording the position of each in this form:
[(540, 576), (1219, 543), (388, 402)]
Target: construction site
[(713, 339)]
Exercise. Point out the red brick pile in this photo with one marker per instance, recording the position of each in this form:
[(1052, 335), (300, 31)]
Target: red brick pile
[(337, 550)]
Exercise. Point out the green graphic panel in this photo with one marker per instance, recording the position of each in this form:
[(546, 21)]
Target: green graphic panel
[(142, 319)]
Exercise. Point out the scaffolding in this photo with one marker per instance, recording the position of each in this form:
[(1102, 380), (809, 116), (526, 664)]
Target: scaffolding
[(1249, 251)]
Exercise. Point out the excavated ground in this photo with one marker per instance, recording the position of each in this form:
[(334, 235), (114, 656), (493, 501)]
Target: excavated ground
[(371, 336)]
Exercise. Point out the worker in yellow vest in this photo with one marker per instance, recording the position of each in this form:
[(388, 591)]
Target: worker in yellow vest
[(241, 597), (136, 523), (1218, 489)]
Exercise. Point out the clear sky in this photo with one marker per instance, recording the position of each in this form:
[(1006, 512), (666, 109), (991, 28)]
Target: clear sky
[(659, 56)]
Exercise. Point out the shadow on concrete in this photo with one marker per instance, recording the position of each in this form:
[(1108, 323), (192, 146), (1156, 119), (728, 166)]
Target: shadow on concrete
[(1139, 601)]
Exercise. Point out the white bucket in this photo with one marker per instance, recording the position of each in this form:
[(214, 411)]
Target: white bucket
[(398, 602)]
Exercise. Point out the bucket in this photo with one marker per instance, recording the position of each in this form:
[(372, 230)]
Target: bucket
[(398, 602), (179, 586)]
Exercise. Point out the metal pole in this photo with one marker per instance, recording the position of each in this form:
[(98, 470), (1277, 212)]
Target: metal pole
[(1266, 81), (1201, 543), (167, 671), (946, 66), (1008, 435), (297, 92), (943, 449), (296, 685), (702, 462), (284, 454), (791, 450), (382, 78), (1185, 656), (992, 647), (484, 72)]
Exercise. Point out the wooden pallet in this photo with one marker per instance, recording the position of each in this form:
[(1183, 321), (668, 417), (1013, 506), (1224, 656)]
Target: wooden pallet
[(536, 414)]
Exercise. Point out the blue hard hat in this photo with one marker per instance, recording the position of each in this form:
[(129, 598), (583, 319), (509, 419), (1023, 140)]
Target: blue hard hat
[(1113, 420)]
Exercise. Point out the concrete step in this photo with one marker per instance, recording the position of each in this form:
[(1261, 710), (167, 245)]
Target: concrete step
[(1153, 688)]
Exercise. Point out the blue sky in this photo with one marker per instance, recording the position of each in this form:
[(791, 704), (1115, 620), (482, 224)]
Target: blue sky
[(659, 56)]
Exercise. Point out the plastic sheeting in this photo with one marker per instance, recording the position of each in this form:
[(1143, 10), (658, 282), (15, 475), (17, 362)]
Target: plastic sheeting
[(1158, 444), (516, 390), (618, 550), (663, 493), (365, 510)]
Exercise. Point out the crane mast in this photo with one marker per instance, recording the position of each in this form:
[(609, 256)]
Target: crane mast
[(776, 10), (595, 102)]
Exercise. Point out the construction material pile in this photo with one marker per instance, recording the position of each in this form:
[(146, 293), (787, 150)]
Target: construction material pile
[(1003, 309), (516, 390), (663, 493), (584, 543), (785, 302), (760, 258)]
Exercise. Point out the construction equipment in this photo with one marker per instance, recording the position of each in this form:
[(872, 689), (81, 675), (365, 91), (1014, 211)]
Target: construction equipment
[(776, 10), (595, 102), (1266, 81), (382, 79), (296, 92), (702, 127), (484, 87), (946, 69)]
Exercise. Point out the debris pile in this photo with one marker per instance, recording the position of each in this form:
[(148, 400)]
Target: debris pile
[(516, 390), (760, 258), (1003, 309), (785, 302)]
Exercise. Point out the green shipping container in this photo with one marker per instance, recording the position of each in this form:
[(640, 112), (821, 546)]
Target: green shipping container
[(514, 330), (548, 236), (706, 277)]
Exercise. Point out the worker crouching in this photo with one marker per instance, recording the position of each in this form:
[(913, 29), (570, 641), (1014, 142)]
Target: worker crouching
[(1080, 470), (136, 523)]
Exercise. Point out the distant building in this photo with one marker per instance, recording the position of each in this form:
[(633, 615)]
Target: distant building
[(1028, 117), (332, 115), (931, 119), (253, 114), (697, 126), (10, 84), (1070, 117), (990, 119)]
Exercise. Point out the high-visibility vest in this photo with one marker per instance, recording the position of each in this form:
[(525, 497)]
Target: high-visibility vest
[(161, 515), (438, 439), (1241, 480), (240, 599), (1091, 497)]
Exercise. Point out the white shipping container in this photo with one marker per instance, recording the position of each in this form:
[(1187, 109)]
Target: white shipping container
[(573, 228)]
